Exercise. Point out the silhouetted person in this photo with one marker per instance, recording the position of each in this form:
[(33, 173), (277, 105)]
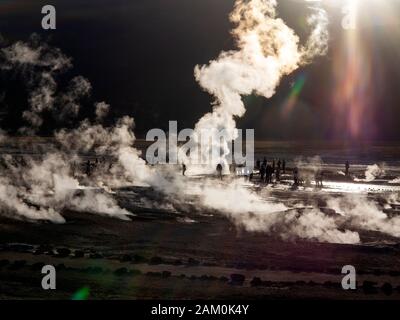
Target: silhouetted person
[(284, 166), (183, 169), (347, 168), (263, 170), (278, 173), (296, 176), (265, 162), (73, 168), (279, 164), (219, 170), (88, 168), (319, 177), (273, 166), (269, 173), (22, 162), (258, 164)]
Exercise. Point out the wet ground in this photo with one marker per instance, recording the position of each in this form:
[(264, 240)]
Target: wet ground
[(176, 249), (185, 254)]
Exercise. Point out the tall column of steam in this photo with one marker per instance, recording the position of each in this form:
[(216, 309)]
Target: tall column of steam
[(267, 50)]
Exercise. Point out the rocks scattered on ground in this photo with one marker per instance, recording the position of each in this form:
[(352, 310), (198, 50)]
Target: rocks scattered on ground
[(60, 267), (330, 284), (18, 247), (62, 252), (79, 254), (166, 274), (94, 270), (154, 274), (96, 256), (37, 266), (17, 265), (369, 287), (177, 262), (121, 272), (125, 258), (256, 282), (139, 259), (237, 279), (193, 262), (387, 289), (44, 249), (4, 263), (156, 260)]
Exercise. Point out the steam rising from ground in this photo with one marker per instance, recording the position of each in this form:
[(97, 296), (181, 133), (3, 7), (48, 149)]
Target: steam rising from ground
[(349, 215), (255, 214), (40, 188), (362, 213), (268, 49), (372, 172), (40, 64), (396, 180)]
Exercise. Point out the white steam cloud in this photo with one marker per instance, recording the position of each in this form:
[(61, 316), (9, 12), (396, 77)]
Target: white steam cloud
[(395, 181), (41, 187), (255, 214), (372, 172), (365, 214), (267, 50), (40, 65)]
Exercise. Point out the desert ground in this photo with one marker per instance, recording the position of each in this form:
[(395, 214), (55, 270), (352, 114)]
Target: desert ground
[(176, 249), (160, 256)]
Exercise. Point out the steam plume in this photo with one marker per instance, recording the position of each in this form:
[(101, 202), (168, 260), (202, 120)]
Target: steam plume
[(372, 172), (267, 50)]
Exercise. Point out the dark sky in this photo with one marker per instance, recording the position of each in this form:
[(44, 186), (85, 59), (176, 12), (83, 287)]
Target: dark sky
[(140, 54)]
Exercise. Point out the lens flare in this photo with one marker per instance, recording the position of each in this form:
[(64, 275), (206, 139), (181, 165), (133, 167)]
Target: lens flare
[(357, 70), (294, 95), (81, 294)]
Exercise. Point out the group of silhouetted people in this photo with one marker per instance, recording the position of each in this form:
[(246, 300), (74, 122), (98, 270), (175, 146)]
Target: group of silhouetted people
[(77, 168), (267, 170), (89, 166), (276, 168), (14, 161)]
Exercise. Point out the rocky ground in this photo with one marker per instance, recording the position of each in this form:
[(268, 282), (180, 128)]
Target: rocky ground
[(161, 256)]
